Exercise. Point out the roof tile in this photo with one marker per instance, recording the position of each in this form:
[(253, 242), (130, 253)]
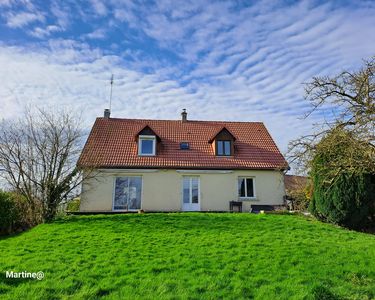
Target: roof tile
[(111, 144)]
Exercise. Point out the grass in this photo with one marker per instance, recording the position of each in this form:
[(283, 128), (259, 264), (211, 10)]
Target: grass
[(189, 256)]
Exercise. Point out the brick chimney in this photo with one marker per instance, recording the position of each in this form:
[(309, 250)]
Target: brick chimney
[(184, 115), (107, 113)]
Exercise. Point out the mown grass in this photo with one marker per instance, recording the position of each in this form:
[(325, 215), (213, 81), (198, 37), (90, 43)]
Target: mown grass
[(189, 256)]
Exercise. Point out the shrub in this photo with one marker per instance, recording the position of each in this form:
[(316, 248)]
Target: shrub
[(73, 205), (301, 198), (342, 194), (348, 202), (14, 213), (9, 213)]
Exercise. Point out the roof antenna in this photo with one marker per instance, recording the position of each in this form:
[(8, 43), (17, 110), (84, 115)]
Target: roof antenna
[(110, 96)]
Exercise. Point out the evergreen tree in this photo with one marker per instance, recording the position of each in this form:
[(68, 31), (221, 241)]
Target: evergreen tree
[(342, 193)]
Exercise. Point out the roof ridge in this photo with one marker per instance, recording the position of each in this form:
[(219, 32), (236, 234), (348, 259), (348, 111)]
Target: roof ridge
[(163, 120)]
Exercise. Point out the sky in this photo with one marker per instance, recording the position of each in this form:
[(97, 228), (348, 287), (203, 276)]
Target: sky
[(221, 60)]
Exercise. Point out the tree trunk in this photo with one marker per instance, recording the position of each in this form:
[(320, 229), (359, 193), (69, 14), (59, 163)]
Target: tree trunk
[(50, 211)]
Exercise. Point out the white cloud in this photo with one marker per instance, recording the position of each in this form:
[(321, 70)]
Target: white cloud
[(22, 19), (40, 78), (97, 34), (125, 15), (41, 33), (232, 64), (26, 4), (99, 7), (6, 2), (61, 13), (64, 51)]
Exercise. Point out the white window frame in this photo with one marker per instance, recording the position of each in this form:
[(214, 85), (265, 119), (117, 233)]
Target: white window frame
[(146, 137), (190, 204), (246, 177)]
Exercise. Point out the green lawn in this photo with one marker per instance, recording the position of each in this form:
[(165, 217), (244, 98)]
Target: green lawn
[(189, 256)]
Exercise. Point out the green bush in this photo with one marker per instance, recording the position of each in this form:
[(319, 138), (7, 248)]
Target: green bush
[(301, 198), (73, 205), (10, 214), (348, 202), (341, 194)]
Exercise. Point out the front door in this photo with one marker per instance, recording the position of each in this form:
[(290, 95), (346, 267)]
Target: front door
[(190, 193)]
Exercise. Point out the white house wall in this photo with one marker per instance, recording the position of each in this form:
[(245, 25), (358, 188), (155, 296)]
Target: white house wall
[(162, 189)]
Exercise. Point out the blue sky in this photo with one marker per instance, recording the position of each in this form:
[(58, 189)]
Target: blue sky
[(222, 60)]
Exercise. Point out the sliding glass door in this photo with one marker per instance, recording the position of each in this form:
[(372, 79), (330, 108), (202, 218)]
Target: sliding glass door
[(128, 192)]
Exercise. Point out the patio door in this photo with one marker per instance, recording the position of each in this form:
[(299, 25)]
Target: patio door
[(190, 193), (128, 191)]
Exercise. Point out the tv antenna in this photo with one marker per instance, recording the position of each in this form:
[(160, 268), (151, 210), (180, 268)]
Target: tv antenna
[(110, 96)]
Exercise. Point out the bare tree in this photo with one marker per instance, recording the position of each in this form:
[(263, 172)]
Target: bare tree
[(350, 99), (38, 154)]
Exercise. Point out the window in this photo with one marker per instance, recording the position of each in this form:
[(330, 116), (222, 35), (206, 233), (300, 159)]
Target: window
[(184, 146), (246, 187), (147, 145), (224, 148), (127, 193)]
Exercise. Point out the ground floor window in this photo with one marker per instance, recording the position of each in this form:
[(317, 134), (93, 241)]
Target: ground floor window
[(246, 187), (128, 191)]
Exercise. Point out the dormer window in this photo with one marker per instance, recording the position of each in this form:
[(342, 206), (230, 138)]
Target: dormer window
[(147, 145), (223, 148), (148, 141), (223, 142)]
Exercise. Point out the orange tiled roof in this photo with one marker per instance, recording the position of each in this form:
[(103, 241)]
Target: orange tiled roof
[(111, 144)]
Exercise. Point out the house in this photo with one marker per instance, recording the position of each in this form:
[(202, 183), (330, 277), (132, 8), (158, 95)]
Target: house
[(180, 165)]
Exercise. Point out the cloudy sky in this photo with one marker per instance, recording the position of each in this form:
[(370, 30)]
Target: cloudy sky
[(224, 60)]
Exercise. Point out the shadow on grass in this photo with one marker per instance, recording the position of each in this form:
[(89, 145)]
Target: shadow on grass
[(321, 292), (12, 282), (16, 234)]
